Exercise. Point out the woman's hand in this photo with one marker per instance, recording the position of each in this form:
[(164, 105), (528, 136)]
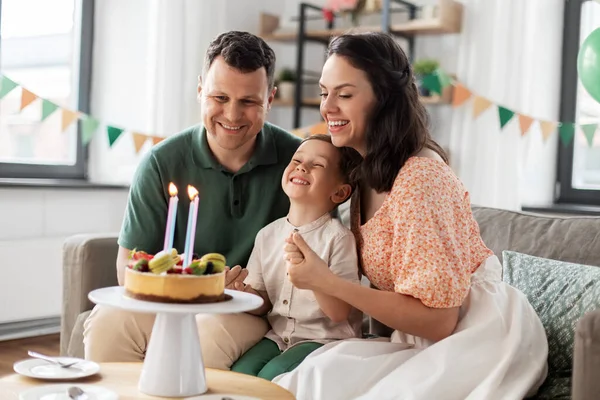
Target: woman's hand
[(306, 270)]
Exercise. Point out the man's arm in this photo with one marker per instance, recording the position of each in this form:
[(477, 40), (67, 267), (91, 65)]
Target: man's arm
[(122, 261)]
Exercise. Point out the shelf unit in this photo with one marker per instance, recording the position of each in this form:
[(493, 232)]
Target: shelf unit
[(448, 20)]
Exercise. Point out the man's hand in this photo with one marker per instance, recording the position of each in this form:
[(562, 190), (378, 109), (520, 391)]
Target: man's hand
[(235, 275)]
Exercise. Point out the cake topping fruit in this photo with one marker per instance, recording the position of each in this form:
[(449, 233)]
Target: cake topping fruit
[(217, 260), (170, 262), (163, 261)]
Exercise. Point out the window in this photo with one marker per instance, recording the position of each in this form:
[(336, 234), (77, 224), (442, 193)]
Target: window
[(45, 47), (578, 163)]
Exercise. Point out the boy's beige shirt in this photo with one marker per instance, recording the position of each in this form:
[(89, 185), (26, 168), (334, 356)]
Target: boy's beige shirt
[(296, 315)]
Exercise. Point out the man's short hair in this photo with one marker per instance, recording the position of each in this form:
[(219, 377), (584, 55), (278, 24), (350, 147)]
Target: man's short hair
[(243, 51)]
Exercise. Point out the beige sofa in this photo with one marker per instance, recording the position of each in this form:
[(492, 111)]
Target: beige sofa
[(89, 263)]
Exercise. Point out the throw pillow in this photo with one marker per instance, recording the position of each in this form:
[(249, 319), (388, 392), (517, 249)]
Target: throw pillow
[(561, 293)]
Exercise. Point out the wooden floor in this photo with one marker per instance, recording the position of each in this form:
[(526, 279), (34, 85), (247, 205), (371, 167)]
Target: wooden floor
[(15, 350)]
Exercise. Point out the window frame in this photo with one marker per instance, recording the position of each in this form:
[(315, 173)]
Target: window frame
[(566, 193), (79, 170)]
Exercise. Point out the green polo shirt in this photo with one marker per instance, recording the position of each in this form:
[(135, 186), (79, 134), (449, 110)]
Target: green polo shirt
[(232, 207)]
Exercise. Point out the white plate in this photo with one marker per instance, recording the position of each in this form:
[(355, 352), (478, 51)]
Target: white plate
[(41, 369), (114, 296), (59, 392), (223, 397)]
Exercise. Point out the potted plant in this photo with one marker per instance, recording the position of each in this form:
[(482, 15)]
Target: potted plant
[(286, 84), (423, 68)]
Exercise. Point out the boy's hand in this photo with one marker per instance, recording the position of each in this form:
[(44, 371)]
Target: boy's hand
[(240, 287), (235, 275)]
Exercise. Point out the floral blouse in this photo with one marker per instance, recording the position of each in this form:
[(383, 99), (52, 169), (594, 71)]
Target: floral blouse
[(424, 241)]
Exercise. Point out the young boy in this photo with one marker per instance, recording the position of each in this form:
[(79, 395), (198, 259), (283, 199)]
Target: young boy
[(316, 181)]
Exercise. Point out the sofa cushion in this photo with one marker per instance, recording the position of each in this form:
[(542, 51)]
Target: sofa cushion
[(561, 293)]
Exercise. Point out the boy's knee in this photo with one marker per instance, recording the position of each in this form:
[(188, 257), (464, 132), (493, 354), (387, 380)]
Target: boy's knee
[(224, 338)]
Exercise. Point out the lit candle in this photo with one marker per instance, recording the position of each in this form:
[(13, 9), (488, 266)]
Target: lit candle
[(190, 235), (171, 216)]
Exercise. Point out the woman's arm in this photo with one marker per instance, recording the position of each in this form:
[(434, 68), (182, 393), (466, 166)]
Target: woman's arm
[(337, 310), (401, 312), (398, 311)]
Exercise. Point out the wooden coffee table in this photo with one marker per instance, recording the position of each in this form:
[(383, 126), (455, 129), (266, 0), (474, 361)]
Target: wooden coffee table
[(123, 378)]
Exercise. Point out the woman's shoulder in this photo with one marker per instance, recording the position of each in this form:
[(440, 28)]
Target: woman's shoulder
[(427, 178)]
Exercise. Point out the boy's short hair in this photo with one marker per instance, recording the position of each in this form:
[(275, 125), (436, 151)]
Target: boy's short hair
[(350, 159)]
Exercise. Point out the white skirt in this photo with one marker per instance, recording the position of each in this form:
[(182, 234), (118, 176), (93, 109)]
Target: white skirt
[(498, 351)]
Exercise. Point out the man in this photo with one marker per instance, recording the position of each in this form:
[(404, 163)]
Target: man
[(235, 160)]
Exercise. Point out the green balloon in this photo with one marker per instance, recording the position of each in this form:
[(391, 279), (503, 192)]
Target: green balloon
[(588, 64)]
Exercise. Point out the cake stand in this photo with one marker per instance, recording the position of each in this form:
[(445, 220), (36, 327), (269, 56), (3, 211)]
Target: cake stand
[(173, 366)]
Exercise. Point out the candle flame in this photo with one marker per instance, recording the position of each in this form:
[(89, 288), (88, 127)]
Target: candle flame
[(172, 189), (192, 192)]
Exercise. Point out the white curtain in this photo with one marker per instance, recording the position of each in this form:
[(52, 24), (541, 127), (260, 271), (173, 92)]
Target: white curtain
[(510, 52), (147, 58)]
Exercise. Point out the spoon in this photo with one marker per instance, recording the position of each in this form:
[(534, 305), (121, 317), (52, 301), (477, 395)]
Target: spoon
[(76, 393), (50, 359)]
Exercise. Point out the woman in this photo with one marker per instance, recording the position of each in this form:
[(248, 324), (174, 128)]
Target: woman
[(459, 331)]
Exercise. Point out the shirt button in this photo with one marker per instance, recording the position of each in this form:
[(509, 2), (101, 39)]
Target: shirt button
[(285, 302), (286, 340), (236, 202)]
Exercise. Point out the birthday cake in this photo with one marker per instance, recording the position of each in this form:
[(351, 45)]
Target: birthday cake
[(162, 278)]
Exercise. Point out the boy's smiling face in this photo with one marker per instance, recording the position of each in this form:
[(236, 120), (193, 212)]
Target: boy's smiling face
[(313, 175)]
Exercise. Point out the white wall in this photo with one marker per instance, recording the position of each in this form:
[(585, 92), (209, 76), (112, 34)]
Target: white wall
[(33, 226)]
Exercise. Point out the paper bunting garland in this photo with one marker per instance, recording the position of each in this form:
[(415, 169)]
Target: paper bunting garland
[(547, 128), (461, 94), (138, 140), (68, 117), (480, 105), (439, 80), (27, 98), (6, 86), (89, 124), (505, 116), (589, 131), (435, 83), (48, 108), (525, 123), (113, 134), (567, 132)]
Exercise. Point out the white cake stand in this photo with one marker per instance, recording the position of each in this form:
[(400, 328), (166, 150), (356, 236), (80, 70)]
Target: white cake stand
[(173, 366)]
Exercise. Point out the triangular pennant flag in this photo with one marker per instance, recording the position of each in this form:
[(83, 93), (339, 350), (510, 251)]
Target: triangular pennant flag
[(480, 105), (567, 132), (27, 98), (547, 128), (505, 115), (89, 126), (113, 134), (138, 141), (48, 108), (525, 123), (589, 131), (68, 117), (6, 86), (444, 78), (461, 94), (432, 82), (157, 139)]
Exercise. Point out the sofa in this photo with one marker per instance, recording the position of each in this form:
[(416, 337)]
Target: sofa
[(89, 263)]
